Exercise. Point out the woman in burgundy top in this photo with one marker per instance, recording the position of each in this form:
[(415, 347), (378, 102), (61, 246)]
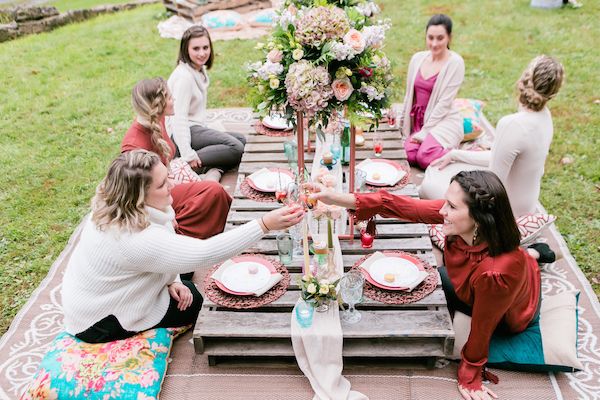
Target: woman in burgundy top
[(487, 274), (201, 208), (430, 122)]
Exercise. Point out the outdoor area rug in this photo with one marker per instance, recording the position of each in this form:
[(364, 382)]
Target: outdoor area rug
[(190, 377)]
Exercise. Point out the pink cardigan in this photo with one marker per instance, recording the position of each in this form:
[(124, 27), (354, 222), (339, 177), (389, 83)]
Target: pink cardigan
[(442, 119)]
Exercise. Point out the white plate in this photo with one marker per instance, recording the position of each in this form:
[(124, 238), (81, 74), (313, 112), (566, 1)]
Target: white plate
[(236, 277), (276, 122), (269, 181), (404, 271), (387, 172)]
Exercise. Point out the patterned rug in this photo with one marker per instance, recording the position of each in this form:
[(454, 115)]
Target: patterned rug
[(189, 375)]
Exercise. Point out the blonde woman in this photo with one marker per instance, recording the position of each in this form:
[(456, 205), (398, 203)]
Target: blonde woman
[(201, 208), (521, 144), (122, 277)]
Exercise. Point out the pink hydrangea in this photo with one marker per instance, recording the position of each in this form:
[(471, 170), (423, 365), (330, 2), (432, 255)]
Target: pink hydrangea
[(308, 87), (320, 25)]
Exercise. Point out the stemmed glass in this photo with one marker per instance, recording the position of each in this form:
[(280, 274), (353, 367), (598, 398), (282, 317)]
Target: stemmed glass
[(293, 199), (377, 144), (351, 289)]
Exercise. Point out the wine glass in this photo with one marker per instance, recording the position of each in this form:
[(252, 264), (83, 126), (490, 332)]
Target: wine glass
[(293, 200), (351, 289), (377, 144)]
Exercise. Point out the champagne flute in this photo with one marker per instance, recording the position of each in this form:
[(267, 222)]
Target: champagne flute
[(351, 289), (292, 200)]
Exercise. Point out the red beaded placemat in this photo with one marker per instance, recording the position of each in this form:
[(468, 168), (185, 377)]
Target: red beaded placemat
[(254, 194), (263, 130), (399, 296), (225, 299), (399, 185)]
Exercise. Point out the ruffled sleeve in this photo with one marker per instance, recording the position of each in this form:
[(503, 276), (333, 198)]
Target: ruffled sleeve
[(492, 297), (394, 206)]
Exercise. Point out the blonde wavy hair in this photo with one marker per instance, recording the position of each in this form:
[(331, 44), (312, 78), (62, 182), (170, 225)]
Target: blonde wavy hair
[(540, 82), (149, 101), (120, 197)]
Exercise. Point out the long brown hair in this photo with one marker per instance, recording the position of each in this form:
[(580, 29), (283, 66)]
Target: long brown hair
[(489, 207), (149, 100), (193, 32), (120, 197)]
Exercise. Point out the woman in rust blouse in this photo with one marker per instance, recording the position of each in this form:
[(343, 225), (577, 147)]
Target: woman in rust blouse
[(486, 275), (201, 208)]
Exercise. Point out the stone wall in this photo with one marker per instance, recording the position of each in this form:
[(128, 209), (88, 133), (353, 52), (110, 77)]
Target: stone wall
[(28, 20)]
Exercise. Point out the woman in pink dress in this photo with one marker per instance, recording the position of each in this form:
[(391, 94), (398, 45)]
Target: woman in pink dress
[(430, 122)]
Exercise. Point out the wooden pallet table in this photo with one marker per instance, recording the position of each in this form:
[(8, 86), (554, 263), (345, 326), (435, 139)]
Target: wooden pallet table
[(417, 330)]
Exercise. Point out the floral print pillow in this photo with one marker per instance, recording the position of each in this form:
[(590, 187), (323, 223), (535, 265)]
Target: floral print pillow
[(132, 368)]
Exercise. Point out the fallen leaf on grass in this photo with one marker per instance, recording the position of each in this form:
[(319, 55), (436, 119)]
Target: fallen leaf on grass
[(566, 160), (110, 130)]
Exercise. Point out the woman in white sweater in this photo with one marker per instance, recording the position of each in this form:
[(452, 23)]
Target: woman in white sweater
[(196, 143), (430, 122), (521, 144), (122, 277)]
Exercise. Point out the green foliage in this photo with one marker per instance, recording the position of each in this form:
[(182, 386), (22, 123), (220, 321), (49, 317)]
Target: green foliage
[(66, 107)]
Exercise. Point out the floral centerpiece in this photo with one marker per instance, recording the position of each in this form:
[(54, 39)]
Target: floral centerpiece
[(324, 57)]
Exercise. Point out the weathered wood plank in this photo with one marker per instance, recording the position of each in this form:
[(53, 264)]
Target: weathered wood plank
[(241, 217), (406, 244), (280, 156), (289, 298), (415, 347), (374, 324), (383, 231), (270, 147)]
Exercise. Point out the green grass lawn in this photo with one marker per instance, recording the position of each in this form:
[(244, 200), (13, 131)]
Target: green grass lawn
[(65, 107)]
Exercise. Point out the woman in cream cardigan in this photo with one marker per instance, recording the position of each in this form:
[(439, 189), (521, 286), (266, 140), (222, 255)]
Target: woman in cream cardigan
[(122, 277), (197, 143), (521, 143), (429, 122)]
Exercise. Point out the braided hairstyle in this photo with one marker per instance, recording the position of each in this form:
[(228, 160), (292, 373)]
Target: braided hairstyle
[(490, 209), (149, 100), (540, 82)]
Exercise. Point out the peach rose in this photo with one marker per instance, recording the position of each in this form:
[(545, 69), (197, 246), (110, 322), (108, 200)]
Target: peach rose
[(355, 40), (342, 88), (275, 56)]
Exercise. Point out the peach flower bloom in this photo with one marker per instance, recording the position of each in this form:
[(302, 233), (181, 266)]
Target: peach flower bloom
[(342, 88), (275, 56), (355, 40)]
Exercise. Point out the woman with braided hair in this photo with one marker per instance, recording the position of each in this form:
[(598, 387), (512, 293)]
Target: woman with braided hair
[(486, 274), (520, 147), (201, 208)]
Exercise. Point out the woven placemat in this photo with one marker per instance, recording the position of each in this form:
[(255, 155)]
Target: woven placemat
[(399, 296), (263, 130), (399, 185), (233, 301), (254, 194)]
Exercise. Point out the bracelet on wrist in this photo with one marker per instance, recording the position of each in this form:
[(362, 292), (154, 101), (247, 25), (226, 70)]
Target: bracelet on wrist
[(265, 225)]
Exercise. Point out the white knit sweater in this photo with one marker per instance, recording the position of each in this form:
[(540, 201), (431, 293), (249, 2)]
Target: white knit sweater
[(126, 274), (189, 88)]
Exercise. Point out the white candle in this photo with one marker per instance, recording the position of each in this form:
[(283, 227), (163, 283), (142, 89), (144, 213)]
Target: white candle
[(306, 269)]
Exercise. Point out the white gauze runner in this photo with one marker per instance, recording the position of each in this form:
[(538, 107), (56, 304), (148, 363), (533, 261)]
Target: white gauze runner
[(318, 348)]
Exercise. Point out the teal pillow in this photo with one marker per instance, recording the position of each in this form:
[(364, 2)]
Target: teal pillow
[(548, 344), (132, 368), (544, 345)]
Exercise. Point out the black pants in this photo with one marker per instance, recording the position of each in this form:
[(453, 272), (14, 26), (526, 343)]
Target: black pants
[(455, 304), (109, 328)]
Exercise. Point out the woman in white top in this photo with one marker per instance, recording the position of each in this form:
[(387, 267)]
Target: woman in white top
[(122, 277), (198, 144), (430, 122), (521, 144)]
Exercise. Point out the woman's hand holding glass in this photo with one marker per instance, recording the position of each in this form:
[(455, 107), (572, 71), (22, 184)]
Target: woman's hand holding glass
[(283, 217), (329, 197)]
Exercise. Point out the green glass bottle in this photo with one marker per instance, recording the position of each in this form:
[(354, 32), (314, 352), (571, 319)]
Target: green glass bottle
[(346, 143)]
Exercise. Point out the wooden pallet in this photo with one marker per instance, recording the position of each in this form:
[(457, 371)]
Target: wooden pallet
[(195, 9), (422, 329)]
